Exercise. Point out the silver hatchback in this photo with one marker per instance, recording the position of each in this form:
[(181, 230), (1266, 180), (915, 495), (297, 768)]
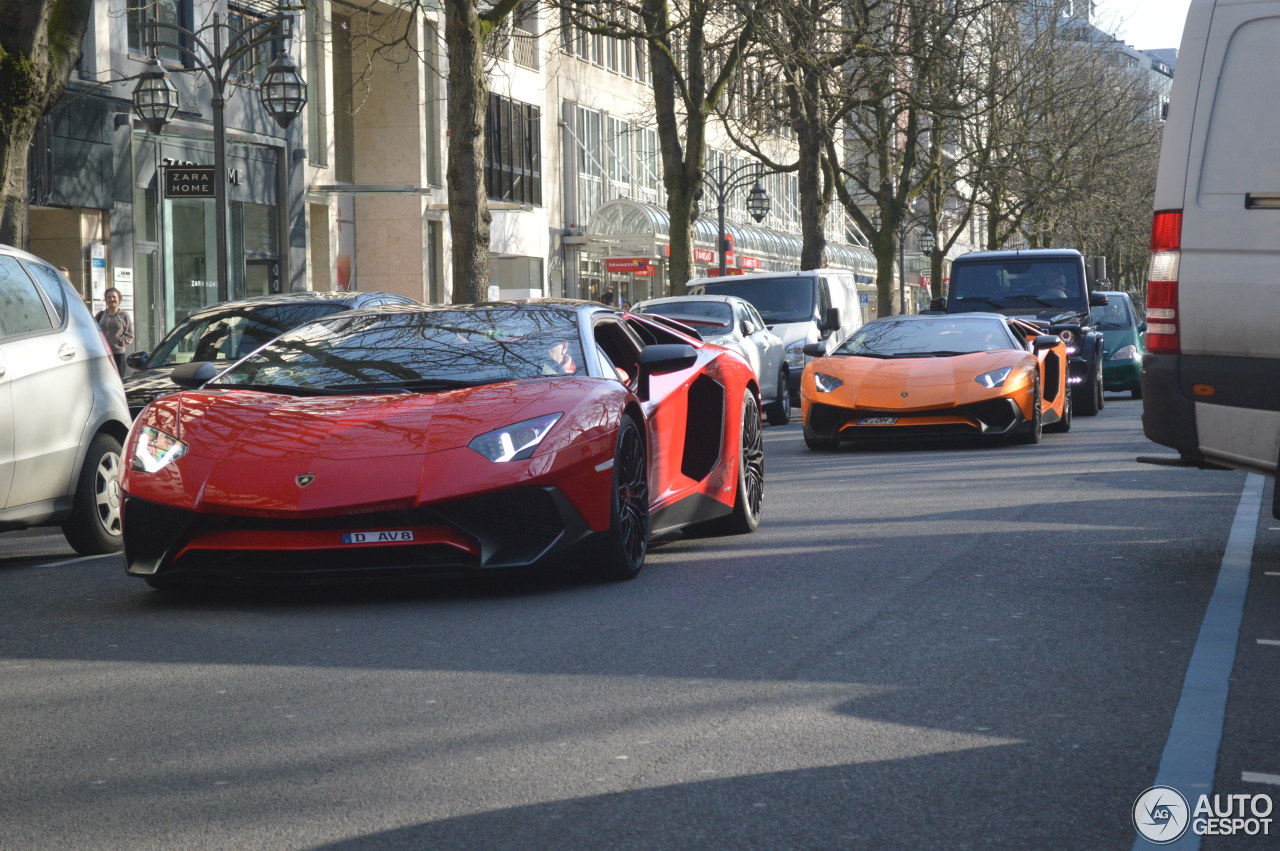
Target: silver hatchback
[(63, 417)]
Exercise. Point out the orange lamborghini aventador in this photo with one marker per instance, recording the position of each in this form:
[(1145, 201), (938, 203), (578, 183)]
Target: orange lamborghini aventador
[(967, 375)]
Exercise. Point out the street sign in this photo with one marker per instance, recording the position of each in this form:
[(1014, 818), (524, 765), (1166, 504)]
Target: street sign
[(188, 181)]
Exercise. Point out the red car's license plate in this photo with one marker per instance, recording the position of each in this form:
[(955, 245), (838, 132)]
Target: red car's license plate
[(375, 536), (879, 421)]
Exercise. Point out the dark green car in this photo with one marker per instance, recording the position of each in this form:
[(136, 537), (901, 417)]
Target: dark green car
[(1123, 344)]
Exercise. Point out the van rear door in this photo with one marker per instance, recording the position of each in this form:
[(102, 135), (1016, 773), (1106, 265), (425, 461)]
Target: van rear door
[(1231, 208)]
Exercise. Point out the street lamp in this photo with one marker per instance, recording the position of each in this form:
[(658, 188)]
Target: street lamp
[(215, 50), (724, 181)]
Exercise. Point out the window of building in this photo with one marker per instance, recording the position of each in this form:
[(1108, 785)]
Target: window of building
[(245, 25), (344, 131), (142, 12), (317, 90), (513, 151)]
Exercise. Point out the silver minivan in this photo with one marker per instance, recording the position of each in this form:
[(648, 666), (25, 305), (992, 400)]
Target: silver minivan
[(1211, 375), (63, 417), (809, 306)]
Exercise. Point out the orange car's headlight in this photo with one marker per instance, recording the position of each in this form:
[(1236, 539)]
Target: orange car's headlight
[(994, 378), (825, 383)]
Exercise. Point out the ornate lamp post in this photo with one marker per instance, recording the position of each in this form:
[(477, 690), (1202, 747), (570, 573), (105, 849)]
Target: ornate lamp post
[(215, 50), (724, 181)]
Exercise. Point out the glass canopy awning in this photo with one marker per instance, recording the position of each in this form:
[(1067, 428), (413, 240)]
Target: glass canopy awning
[(635, 228)]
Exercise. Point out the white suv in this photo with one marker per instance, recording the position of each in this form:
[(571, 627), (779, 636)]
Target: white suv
[(63, 417)]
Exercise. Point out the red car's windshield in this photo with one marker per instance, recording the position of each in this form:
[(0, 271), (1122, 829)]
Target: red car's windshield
[(415, 350)]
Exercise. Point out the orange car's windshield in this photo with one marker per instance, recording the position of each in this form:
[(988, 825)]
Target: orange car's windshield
[(928, 337)]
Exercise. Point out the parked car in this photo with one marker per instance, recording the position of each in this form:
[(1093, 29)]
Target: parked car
[(1123, 344), (63, 417), (403, 439), (971, 375), (734, 323), (225, 332), (812, 305)]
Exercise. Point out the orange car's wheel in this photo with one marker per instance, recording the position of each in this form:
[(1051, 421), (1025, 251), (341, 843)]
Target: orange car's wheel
[(1033, 434), (623, 548), (1064, 424), (820, 444)]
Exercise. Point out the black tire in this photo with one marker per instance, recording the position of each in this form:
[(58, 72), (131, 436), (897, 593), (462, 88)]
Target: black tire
[(820, 444), (622, 549), (1090, 393), (94, 525), (1137, 391), (779, 412), (1063, 425), (167, 583), (1033, 435)]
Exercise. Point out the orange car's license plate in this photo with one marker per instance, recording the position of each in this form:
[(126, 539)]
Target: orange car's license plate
[(879, 421)]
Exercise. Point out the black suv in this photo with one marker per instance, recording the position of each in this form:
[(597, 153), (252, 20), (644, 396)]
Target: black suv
[(1047, 287)]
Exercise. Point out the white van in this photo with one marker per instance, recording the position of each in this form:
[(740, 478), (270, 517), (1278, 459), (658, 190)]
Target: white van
[(1211, 378), (816, 305)]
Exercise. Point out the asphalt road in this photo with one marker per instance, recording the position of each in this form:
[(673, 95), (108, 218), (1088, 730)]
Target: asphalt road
[(934, 647)]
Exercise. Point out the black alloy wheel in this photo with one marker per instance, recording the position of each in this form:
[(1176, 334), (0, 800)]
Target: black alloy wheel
[(1032, 435), (779, 412), (1064, 424), (624, 545)]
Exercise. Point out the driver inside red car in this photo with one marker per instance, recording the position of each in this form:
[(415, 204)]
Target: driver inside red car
[(558, 361)]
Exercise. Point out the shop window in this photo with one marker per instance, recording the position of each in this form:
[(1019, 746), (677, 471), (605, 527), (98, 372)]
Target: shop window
[(513, 151), (141, 12)]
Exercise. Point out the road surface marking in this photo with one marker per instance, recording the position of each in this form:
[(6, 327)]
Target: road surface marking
[(1255, 777), (1270, 641), (1191, 752)]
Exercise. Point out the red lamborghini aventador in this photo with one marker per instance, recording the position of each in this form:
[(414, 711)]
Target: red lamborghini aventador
[(401, 439)]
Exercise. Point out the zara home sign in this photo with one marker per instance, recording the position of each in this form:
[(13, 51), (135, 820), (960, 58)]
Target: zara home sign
[(189, 181)]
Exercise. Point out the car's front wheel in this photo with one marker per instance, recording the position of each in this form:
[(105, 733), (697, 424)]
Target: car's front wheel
[(779, 412), (94, 525), (623, 547), (1033, 434)]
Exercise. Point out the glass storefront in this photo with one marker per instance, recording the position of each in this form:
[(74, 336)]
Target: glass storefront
[(175, 238)]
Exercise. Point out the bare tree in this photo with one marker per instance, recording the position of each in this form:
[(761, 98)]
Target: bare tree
[(39, 45), (695, 48), (901, 84), (1060, 120)]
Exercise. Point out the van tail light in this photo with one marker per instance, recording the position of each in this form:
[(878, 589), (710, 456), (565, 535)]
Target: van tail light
[(1162, 283)]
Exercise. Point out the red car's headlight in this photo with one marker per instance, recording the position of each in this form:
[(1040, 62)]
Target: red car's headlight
[(154, 450), (515, 442)]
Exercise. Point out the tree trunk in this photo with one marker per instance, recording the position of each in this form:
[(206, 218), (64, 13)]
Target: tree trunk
[(815, 194), (39, 45), (469, 216)]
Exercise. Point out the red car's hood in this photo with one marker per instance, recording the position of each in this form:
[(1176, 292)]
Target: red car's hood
[(264, 426), (271, 453)]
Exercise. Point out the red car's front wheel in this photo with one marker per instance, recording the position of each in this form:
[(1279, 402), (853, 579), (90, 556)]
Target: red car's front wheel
[(624, 546)]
